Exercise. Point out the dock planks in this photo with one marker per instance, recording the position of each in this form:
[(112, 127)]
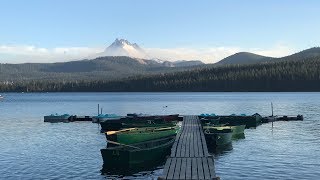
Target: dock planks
[(189, 157)]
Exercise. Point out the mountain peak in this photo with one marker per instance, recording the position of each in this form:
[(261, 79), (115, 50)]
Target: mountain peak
[(121, 42), (243, 58), (122, 47)]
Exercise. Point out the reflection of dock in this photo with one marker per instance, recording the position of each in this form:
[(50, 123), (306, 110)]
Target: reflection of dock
[(189, 154)]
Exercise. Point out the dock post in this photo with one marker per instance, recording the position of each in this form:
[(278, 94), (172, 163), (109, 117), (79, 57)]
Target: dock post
[(98, 109), (272, 113)]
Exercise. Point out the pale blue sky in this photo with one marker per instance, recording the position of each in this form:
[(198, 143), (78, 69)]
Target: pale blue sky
[(165, 24)]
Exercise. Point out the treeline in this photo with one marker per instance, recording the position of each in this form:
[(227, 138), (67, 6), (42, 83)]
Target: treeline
[(276, 76)]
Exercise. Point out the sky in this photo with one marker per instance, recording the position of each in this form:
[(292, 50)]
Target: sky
[(208, 30)]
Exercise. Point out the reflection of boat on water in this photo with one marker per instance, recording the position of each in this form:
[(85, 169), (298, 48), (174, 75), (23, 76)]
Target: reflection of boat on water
[(220, 150), (1, 97), (238, 137), (137, 155), (120, 173)]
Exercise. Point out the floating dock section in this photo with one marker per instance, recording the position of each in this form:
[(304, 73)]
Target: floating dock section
[(189, 157)]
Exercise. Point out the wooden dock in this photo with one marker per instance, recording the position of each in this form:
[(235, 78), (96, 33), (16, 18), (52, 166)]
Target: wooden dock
[(189, 154)]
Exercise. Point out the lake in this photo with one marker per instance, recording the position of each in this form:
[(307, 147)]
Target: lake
[(32, 149)]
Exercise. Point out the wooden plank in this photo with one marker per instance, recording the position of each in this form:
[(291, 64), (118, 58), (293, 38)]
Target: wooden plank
[(194, 169), (166, 168), (211, 168), (199, 143), (205, 168), (172, 168), (204, 143), (174, 149), (183, 143), (187, 152), (195, 142), (183, 168), (175, 144), (189, 168), (200, 168), (191, 145), (177, 169)]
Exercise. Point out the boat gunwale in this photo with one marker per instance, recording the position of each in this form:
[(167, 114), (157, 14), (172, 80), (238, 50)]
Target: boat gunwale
[(171, 140)]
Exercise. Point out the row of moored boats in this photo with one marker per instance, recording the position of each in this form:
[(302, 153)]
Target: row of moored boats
[(139, 141)]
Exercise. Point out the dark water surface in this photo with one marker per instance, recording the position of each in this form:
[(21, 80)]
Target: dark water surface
[(32, 149)]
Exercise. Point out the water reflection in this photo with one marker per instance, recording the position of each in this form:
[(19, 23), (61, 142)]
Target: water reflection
[(220, 150), (238, 137), (150, 170)]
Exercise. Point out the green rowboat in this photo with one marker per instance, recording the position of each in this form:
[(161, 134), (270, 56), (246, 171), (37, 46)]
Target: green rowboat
[(237, 131), (218, 137), (136, 135), (124, 123), (233, 120), (137, 155)]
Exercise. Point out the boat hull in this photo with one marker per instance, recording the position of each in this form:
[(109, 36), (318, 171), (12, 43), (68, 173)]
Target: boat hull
[(249, 121), (238, 131), (141, 135), (218, 138), (127, 157), (56, 119), (117, 124)]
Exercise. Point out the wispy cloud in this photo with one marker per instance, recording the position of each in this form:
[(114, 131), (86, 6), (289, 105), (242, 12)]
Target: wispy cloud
[(207, 55), (25, 53), (22, 53), (215, 54), (279, 50)]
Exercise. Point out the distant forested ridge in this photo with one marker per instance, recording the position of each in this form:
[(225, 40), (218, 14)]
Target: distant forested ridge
[(293, 75)]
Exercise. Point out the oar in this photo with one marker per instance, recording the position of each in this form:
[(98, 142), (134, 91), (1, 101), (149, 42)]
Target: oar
[(123, 130), (116, 143)]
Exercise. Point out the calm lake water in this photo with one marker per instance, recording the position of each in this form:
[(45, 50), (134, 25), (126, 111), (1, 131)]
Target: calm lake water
[(32, 149)]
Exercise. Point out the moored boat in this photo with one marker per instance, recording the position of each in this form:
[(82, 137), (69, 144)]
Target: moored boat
[(170, 117), (137, 155), (54, 118), (234, 120), (218, 137), (136, 135), (237, 131), (122, 123), (104, 117)]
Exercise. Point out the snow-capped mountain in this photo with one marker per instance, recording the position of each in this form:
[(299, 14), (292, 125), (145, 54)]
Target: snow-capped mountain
[(122, 47)]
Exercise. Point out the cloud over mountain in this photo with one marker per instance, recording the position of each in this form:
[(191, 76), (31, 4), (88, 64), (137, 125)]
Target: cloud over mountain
[(121, 47)]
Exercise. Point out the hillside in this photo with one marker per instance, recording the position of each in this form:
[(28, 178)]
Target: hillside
[(243, 58), (251, 58), (302, 55), (107, 68), (301, 75)]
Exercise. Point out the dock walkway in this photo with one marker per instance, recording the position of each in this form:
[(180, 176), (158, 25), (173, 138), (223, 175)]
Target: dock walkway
[(189, 154)]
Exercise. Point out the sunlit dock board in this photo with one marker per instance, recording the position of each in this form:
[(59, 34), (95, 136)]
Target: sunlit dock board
[(189, 157)]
